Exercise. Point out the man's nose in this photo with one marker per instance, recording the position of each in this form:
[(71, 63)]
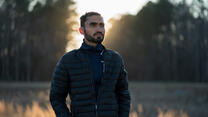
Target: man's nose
[(100, 29)]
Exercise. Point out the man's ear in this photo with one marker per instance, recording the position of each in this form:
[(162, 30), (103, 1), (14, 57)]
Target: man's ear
[(81, 30)]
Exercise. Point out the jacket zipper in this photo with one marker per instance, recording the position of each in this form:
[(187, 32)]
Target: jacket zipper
[(102, 61), (93, 87), (96, 110), (93, 83)]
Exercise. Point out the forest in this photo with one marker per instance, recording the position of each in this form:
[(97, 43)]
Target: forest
[(165, 41)]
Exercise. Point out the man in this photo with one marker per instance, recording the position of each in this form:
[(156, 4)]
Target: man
[(93, 76)]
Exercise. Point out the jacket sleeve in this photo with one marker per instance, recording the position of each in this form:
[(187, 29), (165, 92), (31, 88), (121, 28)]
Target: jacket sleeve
[(59, 91), (123, 95)]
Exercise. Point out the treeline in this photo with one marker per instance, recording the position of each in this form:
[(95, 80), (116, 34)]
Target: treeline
[(164, 41), (33, 36)]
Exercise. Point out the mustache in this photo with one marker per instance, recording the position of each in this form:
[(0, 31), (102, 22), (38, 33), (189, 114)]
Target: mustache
[(98, 33)]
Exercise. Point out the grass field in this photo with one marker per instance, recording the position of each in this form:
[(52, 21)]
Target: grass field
[(148, 100)]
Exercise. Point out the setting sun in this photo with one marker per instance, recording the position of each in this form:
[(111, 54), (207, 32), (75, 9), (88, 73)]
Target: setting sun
[(108, 9)]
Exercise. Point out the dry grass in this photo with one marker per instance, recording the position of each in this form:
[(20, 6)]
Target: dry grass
[(12, 110), (148, 100)]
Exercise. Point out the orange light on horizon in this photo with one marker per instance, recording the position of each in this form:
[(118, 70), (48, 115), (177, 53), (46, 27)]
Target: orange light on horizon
[(108, 9)]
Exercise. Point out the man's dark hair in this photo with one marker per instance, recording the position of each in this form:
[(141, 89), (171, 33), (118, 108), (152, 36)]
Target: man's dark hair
[(83, 18)]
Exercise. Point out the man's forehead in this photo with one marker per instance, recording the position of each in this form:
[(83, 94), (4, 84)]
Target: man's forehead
[(95, 18)]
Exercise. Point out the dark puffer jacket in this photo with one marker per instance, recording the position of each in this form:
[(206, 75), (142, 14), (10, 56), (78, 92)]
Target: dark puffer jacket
[(73, 76)]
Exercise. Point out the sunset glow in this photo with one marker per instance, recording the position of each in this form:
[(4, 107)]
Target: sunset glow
[(108, 9)]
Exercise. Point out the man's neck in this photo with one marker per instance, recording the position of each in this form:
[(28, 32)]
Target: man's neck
[(90, 43)]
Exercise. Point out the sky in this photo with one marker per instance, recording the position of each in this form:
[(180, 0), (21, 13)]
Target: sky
[(108, 9)]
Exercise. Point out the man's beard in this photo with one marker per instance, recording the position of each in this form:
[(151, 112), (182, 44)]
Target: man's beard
[(92, 39)]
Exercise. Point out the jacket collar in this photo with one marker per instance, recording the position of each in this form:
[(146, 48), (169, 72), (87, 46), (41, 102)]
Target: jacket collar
[(98, 48)]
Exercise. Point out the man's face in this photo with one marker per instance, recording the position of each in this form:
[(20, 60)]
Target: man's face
[(94, 29)]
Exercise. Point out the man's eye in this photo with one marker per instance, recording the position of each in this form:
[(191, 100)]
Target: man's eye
[(92, 24), (102, 25)]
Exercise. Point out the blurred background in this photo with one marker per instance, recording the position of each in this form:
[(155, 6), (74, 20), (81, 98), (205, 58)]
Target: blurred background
[(164, 44)]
